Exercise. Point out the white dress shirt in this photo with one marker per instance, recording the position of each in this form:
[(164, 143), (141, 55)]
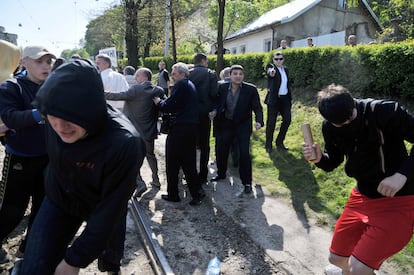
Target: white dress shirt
[(283, 89), (114, 82)]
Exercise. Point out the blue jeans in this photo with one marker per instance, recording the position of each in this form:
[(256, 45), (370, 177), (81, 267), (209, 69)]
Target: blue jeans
[(52, 232)]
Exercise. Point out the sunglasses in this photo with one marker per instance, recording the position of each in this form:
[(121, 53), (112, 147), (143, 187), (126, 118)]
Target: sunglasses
[(278, 58)]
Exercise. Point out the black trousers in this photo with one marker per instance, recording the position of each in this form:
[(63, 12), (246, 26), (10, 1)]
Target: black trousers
[(22, 178), (181, 153), (226, 133), (283, 107), (203, 140)]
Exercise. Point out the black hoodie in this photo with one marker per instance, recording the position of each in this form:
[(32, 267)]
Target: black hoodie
[(94, 177)]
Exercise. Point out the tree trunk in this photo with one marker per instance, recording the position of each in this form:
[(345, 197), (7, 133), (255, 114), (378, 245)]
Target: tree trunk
[(131, 30), (148, 40), (220, 47), (174, 49)]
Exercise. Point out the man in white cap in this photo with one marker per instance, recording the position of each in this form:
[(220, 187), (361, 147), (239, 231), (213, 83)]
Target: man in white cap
[(25, 148)]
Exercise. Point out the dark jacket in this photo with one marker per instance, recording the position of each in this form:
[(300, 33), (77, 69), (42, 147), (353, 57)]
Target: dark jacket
[(182, 104), (140, 108), (248, 102), (205, 82), (94, 177), (274, 85), (373, 145), (27, 137)]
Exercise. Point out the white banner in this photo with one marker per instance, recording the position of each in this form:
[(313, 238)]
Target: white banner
[(111, 52)]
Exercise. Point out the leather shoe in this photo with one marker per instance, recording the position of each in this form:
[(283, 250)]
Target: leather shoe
[(282, 147), (195, 201), (202, 194), (168, 198), (248, 189), (141, 188), (202, 180), (217, 178)]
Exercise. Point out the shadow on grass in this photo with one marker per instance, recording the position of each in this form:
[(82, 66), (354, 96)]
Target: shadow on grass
[(296, 174)]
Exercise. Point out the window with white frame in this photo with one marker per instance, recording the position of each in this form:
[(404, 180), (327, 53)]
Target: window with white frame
[(233, 50)]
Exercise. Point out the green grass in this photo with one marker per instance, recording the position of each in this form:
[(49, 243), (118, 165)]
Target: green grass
[(312, 192)]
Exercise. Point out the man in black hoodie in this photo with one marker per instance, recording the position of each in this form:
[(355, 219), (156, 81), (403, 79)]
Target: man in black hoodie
[(95, 154)]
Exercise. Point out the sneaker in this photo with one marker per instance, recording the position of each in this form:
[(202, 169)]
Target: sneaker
[(248, 189), (332, 270), (3, 256)]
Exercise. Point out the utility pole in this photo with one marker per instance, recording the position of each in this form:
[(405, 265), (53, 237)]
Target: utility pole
[(167, 27)]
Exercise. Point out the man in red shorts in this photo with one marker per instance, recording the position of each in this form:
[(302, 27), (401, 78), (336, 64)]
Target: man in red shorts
[(378, 218)]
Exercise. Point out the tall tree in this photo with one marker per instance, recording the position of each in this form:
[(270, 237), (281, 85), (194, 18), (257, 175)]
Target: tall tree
[(149, 29), (220, 44), (174, 45), (131, 8)]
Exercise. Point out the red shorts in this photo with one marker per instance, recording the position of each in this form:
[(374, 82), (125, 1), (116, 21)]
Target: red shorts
[(373, 230)]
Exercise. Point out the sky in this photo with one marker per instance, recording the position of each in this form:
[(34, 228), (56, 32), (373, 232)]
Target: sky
[(55, 24)]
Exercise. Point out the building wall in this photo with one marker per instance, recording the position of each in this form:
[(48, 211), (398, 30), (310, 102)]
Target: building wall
[(327, 23), (324, 19), (253, 43), (10, 37)]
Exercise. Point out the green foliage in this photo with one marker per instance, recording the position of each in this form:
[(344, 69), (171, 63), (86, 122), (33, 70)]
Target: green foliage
[(67, 54), (122, 62), (237, 15), (403, 10), (105, 31), (383, 70), (191, 46), (392, 69), (267, 5)]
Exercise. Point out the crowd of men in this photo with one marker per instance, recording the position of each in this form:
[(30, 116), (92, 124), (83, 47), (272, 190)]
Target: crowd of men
[(76, 152)]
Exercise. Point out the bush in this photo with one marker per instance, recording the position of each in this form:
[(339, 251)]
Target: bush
[(383, 70)]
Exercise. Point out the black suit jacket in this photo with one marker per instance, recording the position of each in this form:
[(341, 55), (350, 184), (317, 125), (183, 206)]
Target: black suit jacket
[(274, 85), (248, 102)]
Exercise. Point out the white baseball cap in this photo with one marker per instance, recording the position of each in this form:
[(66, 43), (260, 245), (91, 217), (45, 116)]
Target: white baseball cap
[(36, 52)]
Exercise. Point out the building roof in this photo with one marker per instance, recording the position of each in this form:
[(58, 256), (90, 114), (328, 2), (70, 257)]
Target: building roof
[(285, 14)]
